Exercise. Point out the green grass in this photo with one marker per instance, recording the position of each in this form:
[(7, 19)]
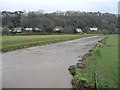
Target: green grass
[(102, 67), (17, 42)]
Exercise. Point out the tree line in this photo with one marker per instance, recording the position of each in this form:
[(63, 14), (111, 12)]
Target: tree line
[(69, 20)]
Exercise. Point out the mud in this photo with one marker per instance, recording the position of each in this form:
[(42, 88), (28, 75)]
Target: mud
[(44, 66)]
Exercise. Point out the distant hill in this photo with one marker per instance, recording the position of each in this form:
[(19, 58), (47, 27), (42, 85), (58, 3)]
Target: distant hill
[(68, 20)]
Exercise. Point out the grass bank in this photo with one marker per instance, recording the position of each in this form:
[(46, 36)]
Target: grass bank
[(101, 69), (17, 42)]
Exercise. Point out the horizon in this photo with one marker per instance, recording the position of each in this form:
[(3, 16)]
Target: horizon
[(107, 6), (58, 10)]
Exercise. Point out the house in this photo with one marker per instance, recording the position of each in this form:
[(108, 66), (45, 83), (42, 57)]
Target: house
[(78, 30), (37, 29), (28, 29), (93, 29), (17, 30), (10, 30), (58, 28)]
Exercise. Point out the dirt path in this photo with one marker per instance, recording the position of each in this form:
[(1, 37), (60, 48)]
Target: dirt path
[(44, 66)]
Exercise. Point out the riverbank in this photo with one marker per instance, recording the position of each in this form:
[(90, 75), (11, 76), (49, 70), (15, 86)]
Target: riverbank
[(100, 68), (10, 43)]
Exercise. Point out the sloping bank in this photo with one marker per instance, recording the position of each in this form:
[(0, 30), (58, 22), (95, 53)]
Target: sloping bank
[(99, 67), (10, 43)]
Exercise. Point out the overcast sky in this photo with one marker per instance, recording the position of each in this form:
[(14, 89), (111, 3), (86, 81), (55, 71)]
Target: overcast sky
[(110, 6)]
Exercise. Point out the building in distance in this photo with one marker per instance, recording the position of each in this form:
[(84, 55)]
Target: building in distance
[(78, 30), (94, 29)]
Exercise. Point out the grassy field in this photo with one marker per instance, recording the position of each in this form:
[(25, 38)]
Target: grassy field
[(17, 42), (102, 67)]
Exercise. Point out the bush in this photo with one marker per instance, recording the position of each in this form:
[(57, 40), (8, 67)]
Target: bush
[(5, 31)]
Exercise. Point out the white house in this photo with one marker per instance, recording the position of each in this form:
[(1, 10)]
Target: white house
[(28, 29), (58, 28), (37, 29), (78, 30), (93, 29), (17, 30), (10, 30)]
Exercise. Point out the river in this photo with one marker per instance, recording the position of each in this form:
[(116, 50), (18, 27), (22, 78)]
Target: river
[(44, 66)]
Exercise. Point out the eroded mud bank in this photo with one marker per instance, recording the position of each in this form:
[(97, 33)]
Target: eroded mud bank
[(79, 81)]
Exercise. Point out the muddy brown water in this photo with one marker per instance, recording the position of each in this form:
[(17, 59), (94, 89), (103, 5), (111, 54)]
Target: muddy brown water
[(44, 66)]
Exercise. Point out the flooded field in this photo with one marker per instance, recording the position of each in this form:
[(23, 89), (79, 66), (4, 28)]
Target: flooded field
[(44, 66)]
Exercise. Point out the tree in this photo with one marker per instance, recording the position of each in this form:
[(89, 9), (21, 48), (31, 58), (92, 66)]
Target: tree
[(69, 20), (74, 30), (86, 29), (49, 30), (5, 31)]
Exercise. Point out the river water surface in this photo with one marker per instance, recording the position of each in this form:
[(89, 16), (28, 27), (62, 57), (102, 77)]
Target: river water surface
[(44, 66)]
